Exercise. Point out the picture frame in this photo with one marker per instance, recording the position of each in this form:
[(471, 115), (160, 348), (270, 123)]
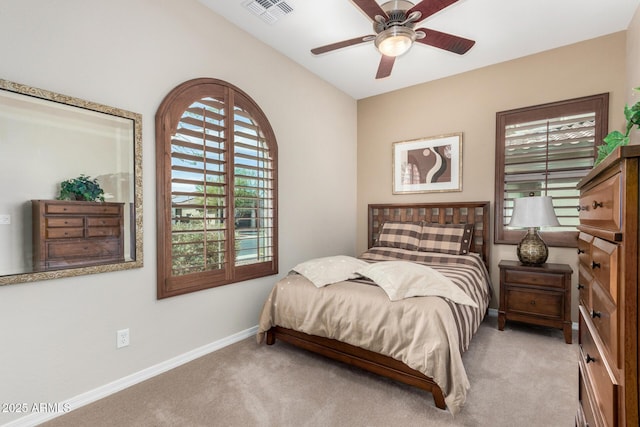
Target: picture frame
[(427, 165)]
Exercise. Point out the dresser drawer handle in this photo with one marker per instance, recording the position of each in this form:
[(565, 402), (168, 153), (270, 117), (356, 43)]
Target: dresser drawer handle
[(596, 205), (595, 265), (580, 251), (533, 302), (580, 286), (595, 314), (590, 359), (583, 208)]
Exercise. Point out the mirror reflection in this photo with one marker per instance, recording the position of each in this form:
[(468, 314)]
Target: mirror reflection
[(46, 139)]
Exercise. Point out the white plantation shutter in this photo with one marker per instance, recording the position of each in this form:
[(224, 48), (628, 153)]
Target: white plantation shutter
[(219, 189), (198, 190), (549, 157), (253, 194)]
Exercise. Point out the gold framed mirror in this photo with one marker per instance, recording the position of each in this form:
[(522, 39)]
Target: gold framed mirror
[(47, 138)]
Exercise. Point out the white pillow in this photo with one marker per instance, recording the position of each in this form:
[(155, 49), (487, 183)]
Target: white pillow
[(404, 279), (327, 270)]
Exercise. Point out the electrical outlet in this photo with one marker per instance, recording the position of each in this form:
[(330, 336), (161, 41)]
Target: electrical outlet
[(122, 338), (5, 219)]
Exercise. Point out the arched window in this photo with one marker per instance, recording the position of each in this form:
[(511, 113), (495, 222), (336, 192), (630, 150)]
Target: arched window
[(216, 161)]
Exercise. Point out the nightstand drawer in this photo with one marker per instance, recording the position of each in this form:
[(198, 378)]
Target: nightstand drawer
[(533, 302), (513, 277)]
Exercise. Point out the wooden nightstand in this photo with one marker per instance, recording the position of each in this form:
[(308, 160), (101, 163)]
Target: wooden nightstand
[(536, 295)]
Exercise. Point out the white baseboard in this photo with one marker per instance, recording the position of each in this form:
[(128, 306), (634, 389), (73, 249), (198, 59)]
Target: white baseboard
[(135, 378)]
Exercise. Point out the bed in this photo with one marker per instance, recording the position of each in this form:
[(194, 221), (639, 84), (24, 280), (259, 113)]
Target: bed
[(355, 320)]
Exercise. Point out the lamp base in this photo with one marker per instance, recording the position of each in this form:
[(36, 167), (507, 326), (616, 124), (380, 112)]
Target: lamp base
[(532, 250)]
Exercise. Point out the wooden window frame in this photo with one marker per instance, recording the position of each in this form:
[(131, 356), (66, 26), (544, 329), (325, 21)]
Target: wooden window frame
[(167, 117), (596, 103)]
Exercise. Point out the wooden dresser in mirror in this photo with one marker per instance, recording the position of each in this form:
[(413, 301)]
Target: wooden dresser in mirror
[(76, 234)]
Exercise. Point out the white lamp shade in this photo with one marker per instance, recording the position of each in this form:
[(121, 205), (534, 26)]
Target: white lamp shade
[(533, 212)]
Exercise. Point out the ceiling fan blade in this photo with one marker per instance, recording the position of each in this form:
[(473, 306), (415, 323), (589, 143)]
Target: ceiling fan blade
[(445, 41), (429, 7), (385, 67), (371, 8), (340, 45)]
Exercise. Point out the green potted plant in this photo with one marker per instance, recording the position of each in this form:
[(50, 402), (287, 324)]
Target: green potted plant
[(81, 188), (617, 138)]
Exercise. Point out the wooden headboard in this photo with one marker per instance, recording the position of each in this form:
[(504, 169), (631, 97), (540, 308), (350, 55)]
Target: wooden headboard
[(476, 213)]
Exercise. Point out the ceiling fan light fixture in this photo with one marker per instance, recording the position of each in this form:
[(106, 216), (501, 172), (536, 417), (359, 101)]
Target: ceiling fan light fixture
[(395, 41)]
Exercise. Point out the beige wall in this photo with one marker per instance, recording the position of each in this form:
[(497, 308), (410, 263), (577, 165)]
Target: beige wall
[(633, 59), (633, 68), (468, 103), (58, 336)]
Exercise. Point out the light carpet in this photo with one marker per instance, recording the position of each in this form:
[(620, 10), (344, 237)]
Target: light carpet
[(522, 376)]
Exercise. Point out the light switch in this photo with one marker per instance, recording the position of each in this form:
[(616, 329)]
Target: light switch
[(5, 219)]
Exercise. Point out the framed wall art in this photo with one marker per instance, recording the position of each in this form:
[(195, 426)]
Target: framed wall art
[(427, 165)]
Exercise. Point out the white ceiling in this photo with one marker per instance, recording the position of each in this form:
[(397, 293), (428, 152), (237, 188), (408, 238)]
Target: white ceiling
[(503, 30)]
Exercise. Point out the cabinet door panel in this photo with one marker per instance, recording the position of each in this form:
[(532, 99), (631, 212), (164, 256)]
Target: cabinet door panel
[(604, 317), (599, 372), (604, 266), (61, 249), (584, 248), (64, 233), (589, 415), (600, 206), (103, 222), (65, 222), (83, 209), (584, 286), (103, 232)]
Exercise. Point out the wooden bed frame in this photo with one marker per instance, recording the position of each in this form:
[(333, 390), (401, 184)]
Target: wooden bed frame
[(441, 213)]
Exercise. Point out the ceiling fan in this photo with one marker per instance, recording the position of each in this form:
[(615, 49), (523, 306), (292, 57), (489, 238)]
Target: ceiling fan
[(393, 23)]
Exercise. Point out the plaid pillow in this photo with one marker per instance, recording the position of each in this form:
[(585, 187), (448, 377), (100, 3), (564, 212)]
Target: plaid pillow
[(446, 238), (403, 235)]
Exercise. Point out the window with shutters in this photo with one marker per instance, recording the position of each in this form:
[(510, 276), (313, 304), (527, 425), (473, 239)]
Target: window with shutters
[(545, 150), (216, 157)]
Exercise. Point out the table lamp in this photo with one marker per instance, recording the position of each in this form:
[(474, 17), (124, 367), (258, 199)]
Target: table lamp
[(533, 212)]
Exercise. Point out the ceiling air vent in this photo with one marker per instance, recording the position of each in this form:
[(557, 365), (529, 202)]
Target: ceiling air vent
[(269, 10)]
